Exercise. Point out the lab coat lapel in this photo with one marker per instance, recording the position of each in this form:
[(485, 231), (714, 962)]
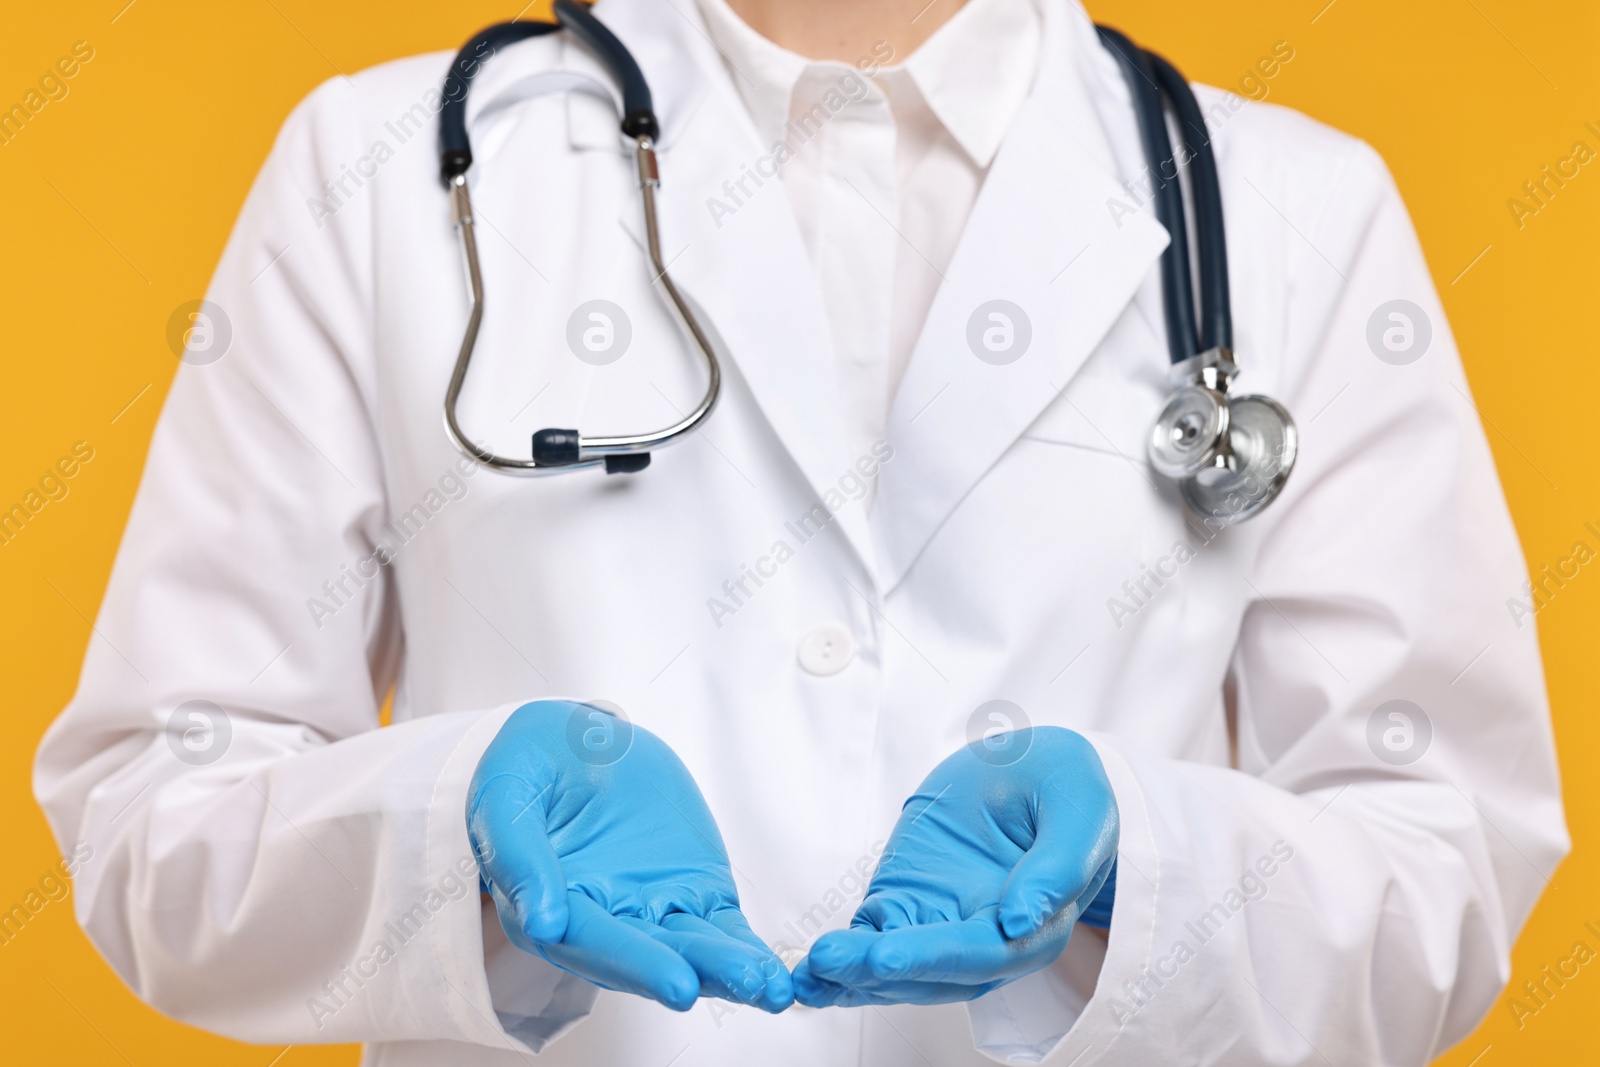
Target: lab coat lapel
[(1043, 240), (734, 248)]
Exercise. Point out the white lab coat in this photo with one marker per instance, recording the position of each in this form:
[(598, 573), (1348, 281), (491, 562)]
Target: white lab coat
[(313, 883)]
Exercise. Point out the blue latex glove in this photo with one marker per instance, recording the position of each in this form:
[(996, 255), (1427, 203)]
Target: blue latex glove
[(602, 857), (995, 857)]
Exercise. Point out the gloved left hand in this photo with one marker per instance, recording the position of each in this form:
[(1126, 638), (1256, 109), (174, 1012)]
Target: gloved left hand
[(994, 859), (602, 857)]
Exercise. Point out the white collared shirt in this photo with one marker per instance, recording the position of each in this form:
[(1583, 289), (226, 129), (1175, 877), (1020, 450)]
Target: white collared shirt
[(886, 158)]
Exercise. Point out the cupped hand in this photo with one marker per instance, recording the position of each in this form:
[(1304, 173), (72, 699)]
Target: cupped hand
[(602, 857), (995, 858)]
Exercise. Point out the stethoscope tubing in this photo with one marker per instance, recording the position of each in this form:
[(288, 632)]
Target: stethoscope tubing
[(1154, 83), (1216, 305)]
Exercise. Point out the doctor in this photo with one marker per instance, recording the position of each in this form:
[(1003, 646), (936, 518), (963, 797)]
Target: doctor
[(901, 715)]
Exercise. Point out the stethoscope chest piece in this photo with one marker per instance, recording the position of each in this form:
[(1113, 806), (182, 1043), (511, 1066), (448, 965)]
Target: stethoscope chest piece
[(1231, 455), (1249, 474)]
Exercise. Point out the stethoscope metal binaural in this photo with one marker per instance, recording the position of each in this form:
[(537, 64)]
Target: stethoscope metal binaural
[(1229, 454), (557, 451)]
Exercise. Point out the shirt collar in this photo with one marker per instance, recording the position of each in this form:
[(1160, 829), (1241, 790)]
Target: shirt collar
[(973, 73), (764, 73), (976, 70)]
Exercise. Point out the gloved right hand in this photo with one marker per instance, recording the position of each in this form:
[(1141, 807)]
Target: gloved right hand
[(602, 857), (997, 855)]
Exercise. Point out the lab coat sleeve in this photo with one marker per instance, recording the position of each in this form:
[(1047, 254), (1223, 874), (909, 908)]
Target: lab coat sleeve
[(272, 865), (1349, 893)]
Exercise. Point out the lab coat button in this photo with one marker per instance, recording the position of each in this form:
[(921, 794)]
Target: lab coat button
[(827, 649)]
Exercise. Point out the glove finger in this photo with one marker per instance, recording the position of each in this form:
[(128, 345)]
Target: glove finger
[(1072, 851), (944, 953), (971, 952), (614, 953), (732, 922), (507, 827), (815, 992), (780, 986), (728, 967), (841, 955)]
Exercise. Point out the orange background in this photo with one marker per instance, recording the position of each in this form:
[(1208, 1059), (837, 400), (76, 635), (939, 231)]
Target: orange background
[(119, 197)]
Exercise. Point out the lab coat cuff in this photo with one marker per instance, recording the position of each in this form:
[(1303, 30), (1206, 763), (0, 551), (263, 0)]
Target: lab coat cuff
[(1067, 1013), (497, 994)]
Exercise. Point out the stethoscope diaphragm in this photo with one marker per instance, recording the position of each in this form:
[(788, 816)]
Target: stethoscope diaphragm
[(1250, 472)]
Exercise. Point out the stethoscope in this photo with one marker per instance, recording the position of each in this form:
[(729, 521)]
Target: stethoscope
[(1230, 455)]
